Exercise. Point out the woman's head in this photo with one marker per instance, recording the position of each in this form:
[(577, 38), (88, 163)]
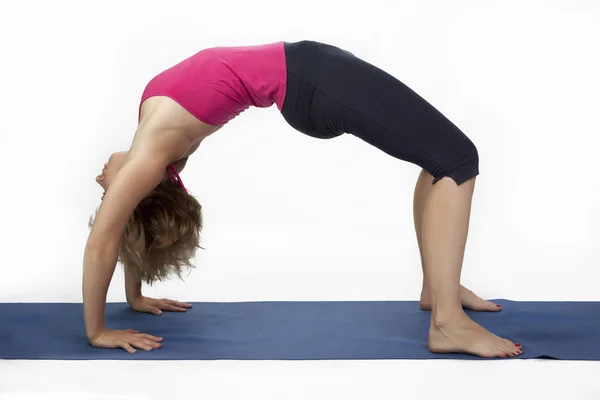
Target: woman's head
[(163, 233), (114, 164)]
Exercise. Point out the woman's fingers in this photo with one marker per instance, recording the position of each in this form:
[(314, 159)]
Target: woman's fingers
[(128, 347), (127, 339), (151, 343), (152, 308), (169, 307), (141, 342), (180, 304), (131, 339), (145, 344), (153, 338), (174, 305)]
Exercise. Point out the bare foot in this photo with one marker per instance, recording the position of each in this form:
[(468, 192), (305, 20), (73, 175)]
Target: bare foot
[(463, 335), (468, 299)]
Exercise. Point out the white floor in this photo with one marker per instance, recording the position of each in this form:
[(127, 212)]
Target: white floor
[(117, 380)]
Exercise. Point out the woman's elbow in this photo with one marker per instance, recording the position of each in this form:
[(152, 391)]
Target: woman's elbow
[(99, 244)]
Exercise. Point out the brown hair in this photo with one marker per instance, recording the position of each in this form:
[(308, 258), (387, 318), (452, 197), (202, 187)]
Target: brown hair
[(162, 235)]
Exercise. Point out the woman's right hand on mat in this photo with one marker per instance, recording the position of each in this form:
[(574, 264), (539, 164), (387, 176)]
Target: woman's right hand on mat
[(157, 306), (128, 339)]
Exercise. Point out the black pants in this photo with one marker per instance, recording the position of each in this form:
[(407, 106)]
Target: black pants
[(331, 92)]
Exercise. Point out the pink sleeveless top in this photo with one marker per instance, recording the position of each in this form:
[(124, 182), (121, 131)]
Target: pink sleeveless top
[(217, 84)]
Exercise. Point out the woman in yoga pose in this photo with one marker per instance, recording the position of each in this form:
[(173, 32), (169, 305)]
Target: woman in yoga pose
[(149, 221)]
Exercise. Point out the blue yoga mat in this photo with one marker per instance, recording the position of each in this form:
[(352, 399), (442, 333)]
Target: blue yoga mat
[(295, 331)]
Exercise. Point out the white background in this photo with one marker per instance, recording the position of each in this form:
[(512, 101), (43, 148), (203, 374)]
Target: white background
[(289, 217)]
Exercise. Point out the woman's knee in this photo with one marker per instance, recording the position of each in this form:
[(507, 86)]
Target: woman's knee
[(461, 166)]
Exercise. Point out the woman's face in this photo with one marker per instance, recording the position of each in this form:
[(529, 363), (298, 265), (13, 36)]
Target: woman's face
[(114, 164)]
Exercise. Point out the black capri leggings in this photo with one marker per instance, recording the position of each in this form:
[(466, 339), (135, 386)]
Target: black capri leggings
[(330, 92)]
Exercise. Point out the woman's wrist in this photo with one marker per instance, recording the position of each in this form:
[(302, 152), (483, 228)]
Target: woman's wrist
[(93, 334), (133, 287), (133, 299), (97, 273)]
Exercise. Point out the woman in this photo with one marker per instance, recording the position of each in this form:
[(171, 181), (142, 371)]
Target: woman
[(149, 221)]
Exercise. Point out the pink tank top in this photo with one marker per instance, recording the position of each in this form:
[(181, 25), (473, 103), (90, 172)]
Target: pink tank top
[(217, 84)]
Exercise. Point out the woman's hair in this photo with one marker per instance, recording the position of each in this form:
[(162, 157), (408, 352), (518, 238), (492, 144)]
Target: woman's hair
[(162, 235)]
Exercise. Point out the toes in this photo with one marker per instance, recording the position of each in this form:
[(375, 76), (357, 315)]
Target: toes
[(502, 351), (479, 304), (489, 306), (512, 353), (513, 346), (506, 352), (483, 305), (510, 348), (519, 349), (507, 343)]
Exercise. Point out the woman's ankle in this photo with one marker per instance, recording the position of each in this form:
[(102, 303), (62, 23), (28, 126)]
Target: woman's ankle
[(443, 316)]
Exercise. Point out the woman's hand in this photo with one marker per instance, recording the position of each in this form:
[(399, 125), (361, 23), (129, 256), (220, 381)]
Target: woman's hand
[(128, 339), (157, 306)]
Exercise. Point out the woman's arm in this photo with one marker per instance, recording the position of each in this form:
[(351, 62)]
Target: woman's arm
[(143, 170), (135, 180)]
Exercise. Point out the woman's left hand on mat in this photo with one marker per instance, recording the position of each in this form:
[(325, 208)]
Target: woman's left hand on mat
[(157, 306)]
